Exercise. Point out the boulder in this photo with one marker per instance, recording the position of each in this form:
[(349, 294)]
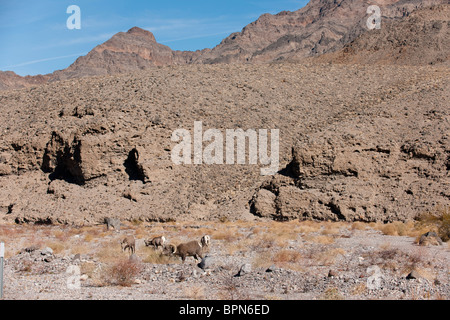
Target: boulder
[(430, 238), (245, 269), (206, 263)]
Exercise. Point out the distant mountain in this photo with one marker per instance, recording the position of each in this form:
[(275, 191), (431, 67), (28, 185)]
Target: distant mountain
[(129, 51), (421, 38), (321, 27), (11, 80)]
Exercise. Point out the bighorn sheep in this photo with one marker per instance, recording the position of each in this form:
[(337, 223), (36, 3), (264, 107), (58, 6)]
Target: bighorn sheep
[(112, 222), (156, 242), (169, 249), (190, 249), (129, 243)]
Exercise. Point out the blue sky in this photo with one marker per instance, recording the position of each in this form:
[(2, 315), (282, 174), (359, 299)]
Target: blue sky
[(34, 38)]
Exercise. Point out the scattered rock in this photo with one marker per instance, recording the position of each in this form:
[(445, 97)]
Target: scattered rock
[(206, 263), (430, 238), (134, 258), (84, 277), (76, 257), (245, 269), (47, 251), (332, 273), (272, 268), (30, 248), (413, 275)]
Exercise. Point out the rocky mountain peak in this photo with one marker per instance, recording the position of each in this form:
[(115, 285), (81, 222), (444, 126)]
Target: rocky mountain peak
[(136, 31)]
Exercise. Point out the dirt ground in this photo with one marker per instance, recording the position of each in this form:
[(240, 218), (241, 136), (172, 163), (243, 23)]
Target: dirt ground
[(283, 261)]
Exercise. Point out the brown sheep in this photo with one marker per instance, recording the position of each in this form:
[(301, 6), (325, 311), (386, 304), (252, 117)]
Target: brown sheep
[(190, 249), (156, 242), (129, 243), (169, 249)]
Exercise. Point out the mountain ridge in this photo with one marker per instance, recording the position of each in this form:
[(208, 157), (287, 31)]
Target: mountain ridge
[(322, 27)]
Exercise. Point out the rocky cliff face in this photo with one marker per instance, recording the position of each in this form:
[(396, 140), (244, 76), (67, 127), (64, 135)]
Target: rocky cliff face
[(320, 27), (423, 37), (356, 143)]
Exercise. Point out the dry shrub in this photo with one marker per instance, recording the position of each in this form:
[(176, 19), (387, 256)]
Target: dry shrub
[(396, 228), (282, 232), (328, 257), (258, 230), (308, 226), (195, 292), (386, 257), (359, 289), (438, 221), (140, 232), (320, 239), (157, 257), (228, 234), (358, 225), (80, 248), (395, 259), (242, 245), (122, 273), (262, 260), (61, 235), (332, 228), (91, 233), (109, 252), (331, 294), (8, 232), (88, 268), (287, 256), (265, 241), (231, 290), (56, 246)]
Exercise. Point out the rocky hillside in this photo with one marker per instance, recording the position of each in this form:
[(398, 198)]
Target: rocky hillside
[(11, 80), (321, 26), (125, 52), (356, 143), (421, 38)]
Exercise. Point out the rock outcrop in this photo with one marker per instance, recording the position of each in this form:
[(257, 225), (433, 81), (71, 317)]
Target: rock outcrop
[(377, 167), (356, 143), (422, 37)]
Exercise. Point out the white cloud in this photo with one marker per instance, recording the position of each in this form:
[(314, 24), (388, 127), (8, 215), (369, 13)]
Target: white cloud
[(43, 60)]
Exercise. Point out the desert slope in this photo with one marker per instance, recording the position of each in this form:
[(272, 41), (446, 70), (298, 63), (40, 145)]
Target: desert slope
[(370, 143), (421, 38)]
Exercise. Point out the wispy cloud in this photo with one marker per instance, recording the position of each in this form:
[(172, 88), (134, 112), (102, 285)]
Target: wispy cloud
[(97, 39), (43, 60), (87, 39), (199, 36)]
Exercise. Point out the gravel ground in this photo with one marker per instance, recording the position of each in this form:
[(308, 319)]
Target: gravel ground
[(352, 265)]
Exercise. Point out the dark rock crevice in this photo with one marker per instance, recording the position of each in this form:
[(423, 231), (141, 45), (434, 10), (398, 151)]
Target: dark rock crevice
[(63, 160), (133, 168)]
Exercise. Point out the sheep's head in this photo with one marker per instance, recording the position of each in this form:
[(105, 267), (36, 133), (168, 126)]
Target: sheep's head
[(205, 241), (169, 249)]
